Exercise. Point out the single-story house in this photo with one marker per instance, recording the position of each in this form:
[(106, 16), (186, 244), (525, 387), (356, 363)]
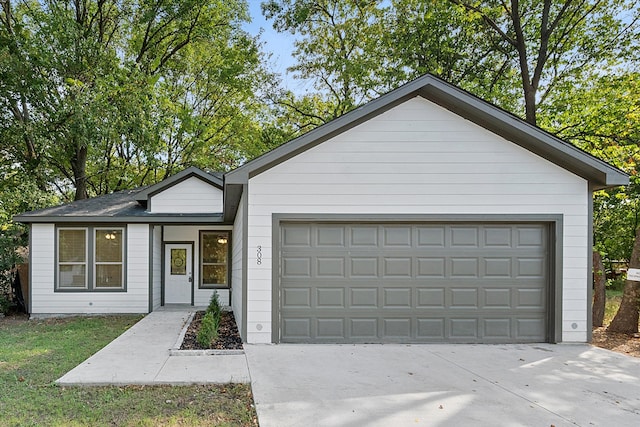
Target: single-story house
[(426, 215)]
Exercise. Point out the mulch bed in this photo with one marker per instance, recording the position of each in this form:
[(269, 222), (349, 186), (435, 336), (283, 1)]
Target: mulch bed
[(228, 336), (621, 343)]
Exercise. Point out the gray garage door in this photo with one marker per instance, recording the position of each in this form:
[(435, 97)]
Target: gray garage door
[(367, 283)]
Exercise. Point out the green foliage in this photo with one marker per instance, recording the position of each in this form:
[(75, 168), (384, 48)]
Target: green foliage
[(17, 195), (208, 331), (100, 96), (5, 304), (616, 285), (214, 307), (36, 353), (602, 116)]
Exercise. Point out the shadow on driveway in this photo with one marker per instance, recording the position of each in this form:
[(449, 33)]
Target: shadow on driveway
[(443, 385)]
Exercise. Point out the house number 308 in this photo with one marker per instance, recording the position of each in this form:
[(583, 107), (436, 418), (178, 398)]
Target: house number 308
[(259, 255)]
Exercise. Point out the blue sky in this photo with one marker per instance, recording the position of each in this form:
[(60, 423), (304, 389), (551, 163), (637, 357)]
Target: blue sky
[(279, 45)]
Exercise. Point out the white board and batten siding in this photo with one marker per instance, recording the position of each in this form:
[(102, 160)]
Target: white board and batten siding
[(192, 195), (189, 233), (418, 158), (236, 266), (46, 301)]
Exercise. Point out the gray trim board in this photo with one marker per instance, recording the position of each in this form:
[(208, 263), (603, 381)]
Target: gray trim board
[(555, 230)]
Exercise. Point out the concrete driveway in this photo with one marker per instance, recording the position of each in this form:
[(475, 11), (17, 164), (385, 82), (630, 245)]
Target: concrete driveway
[(443, 385)]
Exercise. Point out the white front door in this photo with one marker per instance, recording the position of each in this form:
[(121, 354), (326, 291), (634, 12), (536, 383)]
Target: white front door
[(178, 273)]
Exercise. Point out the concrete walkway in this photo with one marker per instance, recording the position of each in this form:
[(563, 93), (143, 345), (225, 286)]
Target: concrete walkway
[(443, 385), (142, 356)]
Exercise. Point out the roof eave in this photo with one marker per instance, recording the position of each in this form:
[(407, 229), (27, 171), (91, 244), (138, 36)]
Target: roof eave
[(133, 219)]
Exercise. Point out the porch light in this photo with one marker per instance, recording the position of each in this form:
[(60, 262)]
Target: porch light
[(222, 240)]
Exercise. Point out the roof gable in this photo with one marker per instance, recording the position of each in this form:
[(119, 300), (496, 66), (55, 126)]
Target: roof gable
[(210, 178), (599, 173), (129, 205)]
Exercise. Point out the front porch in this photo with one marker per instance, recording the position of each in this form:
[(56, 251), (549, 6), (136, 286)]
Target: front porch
[(190, 263)]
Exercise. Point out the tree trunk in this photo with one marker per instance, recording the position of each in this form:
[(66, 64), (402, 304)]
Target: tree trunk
[(79, 167), (599, 293), (530, 104), (626, 319)]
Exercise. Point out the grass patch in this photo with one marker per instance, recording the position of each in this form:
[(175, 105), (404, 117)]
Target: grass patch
[(33, 354), (611, 306)]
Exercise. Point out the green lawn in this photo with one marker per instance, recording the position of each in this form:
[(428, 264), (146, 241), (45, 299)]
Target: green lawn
[(33, 354)]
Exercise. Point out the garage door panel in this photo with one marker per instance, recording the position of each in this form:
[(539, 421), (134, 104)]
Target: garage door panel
[(430, 267), (497, 329), (498, 237), (499, 298), (413, 283), (366, 297), (430, 236), (331, 328), (397, 267), (464, 237), (431, 329), (296, 236), (330, 267), (296, 267), (364, 236), (296, 328), (464, 267), (396, 236), (330, 236), (530, 298), (463, 329), (397, 297), (498, 267), (396, 328), (364, 329), (464, 298), (530, 237), (530, 267), (330, 298), (296, 297), (430, 298), (529, 329)]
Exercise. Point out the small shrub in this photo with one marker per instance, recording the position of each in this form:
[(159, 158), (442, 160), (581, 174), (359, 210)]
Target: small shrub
[(208, 330), (5, 304), (214, 307)]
